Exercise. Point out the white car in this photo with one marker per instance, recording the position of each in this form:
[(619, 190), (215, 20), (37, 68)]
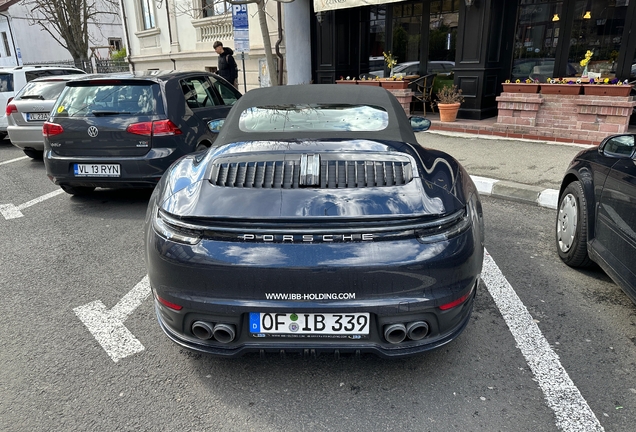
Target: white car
[(412, 68), (12, 79)]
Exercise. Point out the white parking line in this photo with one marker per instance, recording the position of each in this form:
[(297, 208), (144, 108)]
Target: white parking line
[(107, 326), (13, 160), (562, 396), (9, 211)]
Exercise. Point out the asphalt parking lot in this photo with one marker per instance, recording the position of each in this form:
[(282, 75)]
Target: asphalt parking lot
[(547, 348)]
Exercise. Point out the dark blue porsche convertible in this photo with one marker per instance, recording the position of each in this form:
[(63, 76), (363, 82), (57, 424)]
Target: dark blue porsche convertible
[(316, 223)]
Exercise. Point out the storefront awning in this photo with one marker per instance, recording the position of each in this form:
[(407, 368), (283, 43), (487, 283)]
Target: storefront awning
[(325, 5)]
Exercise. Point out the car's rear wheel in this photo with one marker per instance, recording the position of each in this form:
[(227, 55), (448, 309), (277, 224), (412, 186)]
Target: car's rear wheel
[(571, 226), (77, 190), (33, 154)]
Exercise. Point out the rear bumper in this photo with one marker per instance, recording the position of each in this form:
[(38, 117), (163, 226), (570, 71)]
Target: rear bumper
[(397, 282), (27, 136), (458, 317), (141, 171)]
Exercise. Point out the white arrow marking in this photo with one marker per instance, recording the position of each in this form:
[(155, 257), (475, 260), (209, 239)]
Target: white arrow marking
[(563, 397), (9, 211), (107, 326), (14, 160)]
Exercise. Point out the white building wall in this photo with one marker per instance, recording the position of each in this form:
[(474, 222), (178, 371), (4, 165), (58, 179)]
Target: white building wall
[(192, 39), (7, 58), (36, 45)]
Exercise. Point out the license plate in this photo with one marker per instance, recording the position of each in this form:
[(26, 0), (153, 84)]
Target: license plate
[(96, 170), (310, 323), (37, 116)]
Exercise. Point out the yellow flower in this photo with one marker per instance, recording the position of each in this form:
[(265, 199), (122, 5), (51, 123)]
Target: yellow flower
[(586, 60), (606, 81), (389, 59), (507, 81), (517, 81)]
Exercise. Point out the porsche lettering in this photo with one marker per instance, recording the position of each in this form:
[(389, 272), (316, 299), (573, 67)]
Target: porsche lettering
[(306, 238)]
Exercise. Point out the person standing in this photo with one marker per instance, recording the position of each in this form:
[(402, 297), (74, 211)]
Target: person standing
[(227, 65)]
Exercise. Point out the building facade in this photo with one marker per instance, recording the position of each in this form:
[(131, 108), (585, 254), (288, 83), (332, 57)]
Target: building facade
[(22, 43), (179, 34), (486, 42), (489, 41)]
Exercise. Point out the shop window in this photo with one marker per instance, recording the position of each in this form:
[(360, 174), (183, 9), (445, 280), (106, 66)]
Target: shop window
[(443, 22), (407, 31), (536, 39), (597, 27), (377, 39)]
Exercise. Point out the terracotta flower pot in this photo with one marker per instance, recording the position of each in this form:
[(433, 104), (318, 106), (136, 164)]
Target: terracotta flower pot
[(347, 82), (448, 112), (394, 84), (564, 89), (607, 90), (375, 83), (521, 87)]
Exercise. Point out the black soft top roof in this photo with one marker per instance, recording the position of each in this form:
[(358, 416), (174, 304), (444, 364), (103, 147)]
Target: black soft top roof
[(398, 129)]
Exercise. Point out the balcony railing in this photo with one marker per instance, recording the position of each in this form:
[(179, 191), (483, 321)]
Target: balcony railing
[(214, 28)]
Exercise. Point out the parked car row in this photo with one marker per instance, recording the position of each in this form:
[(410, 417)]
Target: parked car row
[(13, 79), (116, 130)]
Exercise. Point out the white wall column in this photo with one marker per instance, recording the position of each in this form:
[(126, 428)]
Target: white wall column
[(298, 42)]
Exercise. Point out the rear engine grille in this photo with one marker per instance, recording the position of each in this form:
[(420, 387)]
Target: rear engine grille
[(292, 174)]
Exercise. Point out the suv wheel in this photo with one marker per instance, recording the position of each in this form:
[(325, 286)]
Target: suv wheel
[(77, 190)]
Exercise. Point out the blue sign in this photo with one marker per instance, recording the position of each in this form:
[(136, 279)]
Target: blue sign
[(241, 28)]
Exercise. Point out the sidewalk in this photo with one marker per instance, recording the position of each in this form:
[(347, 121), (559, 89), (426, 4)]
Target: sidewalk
[(516, 169)]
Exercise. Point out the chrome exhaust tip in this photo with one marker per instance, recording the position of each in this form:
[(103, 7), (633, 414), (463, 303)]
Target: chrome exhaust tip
[(224, 333), (417, 330), (394, 333), (202, 330)]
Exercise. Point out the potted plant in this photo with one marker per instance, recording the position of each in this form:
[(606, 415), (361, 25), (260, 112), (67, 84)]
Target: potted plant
[(369, 81), (563, 86), (449, 99), (347, 80), (394, 83), (607, 87), (390, 61), (529, 86)]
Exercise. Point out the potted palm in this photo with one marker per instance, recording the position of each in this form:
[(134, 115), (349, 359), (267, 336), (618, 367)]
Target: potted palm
[(449, 99)]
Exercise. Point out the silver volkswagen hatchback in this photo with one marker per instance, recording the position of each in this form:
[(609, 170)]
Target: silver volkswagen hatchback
[(31, 107)]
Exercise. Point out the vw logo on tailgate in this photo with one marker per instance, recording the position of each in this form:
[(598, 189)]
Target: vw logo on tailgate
[(92, 131)]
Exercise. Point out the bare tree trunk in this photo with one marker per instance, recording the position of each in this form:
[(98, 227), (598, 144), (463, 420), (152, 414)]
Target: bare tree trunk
[(267, 44)]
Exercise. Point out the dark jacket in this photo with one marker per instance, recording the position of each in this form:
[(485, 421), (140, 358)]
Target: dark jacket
[(227, 65)]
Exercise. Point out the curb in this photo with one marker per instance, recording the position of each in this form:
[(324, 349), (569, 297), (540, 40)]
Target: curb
[(517, 192)]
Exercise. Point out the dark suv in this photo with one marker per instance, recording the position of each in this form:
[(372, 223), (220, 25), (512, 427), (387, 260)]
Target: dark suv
[(124, 130)]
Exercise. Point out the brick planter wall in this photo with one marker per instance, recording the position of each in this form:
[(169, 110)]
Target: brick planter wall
[(580, 118), (404, 96)]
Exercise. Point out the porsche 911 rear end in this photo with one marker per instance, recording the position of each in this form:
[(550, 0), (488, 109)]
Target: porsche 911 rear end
[(322, 245)]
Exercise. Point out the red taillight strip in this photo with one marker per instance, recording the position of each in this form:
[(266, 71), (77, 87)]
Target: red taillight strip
[(168, 304), (457, 302), (154, 128), (51, 129), (11, 108)]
